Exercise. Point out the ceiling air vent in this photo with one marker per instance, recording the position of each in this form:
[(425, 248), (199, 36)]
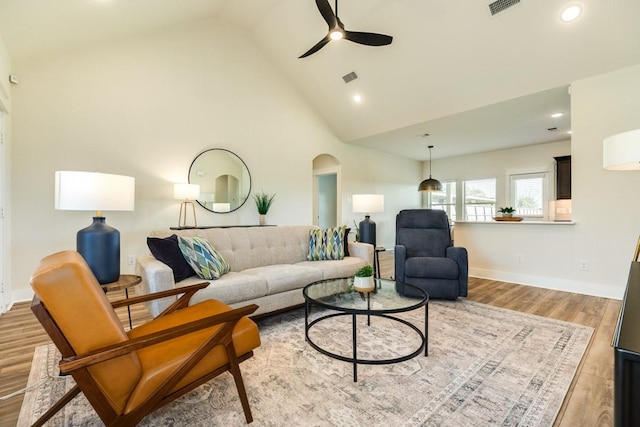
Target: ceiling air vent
[(350, 77), (501, 5)]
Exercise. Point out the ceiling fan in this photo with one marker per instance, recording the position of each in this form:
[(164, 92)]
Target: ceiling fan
[(337, 31)]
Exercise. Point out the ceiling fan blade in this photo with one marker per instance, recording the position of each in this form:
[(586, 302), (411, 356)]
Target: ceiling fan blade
[(316, 48), (369, 39), (327, 13)]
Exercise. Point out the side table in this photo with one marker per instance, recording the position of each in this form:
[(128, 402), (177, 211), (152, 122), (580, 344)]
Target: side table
[(125, 281), (376, 260)]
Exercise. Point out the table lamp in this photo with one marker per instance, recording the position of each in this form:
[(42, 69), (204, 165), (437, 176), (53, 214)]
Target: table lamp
[(186, 193), (99, 244), (221, 207), (367, 204)]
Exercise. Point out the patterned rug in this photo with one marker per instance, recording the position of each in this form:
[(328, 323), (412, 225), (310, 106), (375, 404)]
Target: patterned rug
[(486, 366)]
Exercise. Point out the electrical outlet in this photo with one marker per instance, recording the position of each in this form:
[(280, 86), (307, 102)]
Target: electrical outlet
[(131, 259), (518, 259), (584, 265)]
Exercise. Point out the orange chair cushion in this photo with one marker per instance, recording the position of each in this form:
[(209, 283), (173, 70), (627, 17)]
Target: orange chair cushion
[(161, 360)]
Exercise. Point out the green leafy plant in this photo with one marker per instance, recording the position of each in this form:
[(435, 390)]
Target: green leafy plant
[(365, 271), (506, 210), (263, 202)]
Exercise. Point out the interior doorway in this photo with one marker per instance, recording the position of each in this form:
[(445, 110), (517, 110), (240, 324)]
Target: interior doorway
[(327, 196), (327, 202)]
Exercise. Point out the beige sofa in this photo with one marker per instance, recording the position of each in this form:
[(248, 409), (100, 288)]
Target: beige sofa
[(269, 267)]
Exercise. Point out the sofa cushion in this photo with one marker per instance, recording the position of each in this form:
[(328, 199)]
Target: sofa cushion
[(285, 277), (231, 288), (333, 269), (432, 267), (249, 247), (167, 251), (326, 243), (203, 258)]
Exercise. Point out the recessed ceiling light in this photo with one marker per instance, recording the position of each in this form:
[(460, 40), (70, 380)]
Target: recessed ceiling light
[(571, 13), (569, 132), (357, 98), (556, 115)]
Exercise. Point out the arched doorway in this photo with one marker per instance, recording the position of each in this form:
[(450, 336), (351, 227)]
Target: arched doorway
[(327, 191)]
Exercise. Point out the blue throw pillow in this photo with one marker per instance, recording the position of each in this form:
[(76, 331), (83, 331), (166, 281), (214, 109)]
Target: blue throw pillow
[(167, 251)]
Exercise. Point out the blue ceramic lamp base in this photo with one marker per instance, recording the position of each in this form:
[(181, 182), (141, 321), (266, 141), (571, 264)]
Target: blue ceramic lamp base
[(99, 245), (368, 230)]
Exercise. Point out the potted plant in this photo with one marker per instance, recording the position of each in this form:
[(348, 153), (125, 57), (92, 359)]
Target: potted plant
[(507, 211), (263, 203), (363, 280), (357, 230)]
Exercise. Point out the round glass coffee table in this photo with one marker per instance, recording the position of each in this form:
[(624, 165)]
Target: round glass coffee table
[(338, 296)]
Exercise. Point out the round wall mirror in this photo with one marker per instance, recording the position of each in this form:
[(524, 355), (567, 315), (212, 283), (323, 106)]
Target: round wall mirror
[(224, 179)]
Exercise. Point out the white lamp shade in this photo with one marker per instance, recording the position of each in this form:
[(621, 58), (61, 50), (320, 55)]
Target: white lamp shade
[(367, 203), (93, 191), (622, 151), (221, 207), (186, 191)]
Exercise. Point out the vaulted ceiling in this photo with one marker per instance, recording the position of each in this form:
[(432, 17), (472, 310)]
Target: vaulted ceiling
[(472, 81)]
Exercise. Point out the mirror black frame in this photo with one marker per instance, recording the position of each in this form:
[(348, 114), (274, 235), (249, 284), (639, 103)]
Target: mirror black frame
[(241, 162)]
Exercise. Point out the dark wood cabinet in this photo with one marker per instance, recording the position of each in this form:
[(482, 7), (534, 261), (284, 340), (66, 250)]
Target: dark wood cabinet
[(563, 177), (626, 343)]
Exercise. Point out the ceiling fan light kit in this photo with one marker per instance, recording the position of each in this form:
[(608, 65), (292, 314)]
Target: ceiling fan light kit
[(337, 31)]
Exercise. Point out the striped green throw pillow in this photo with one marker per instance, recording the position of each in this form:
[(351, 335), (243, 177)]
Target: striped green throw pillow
[(326, 244), (205, 260)]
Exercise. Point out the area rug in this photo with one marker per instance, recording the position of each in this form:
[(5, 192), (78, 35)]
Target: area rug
[(486, 366)]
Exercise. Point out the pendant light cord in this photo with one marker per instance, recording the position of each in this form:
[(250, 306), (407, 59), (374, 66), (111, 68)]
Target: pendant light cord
[(430, 147)]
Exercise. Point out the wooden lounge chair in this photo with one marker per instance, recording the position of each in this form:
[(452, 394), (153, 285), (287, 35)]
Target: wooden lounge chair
[(127, 375)]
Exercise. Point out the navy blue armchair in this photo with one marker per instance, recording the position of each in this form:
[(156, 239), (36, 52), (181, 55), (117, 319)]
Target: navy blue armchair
[(425, 256)]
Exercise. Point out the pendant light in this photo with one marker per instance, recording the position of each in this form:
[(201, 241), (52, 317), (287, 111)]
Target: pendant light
[(430, 184)]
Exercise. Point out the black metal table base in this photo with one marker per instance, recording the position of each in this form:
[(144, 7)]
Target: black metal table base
[(424, 337)]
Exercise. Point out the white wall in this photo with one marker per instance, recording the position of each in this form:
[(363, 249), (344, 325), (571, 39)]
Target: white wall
[(5, 170), (145, 107), (605, 204), (495, 164)]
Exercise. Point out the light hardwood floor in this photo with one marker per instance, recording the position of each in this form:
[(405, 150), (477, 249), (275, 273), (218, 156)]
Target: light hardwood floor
[(589, 401)]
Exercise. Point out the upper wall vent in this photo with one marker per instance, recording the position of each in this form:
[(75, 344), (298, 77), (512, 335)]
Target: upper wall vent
[(350, 77), (501, 5)]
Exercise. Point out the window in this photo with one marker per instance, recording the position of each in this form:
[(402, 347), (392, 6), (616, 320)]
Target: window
[(445, 199), (480, 199), (528, 194)]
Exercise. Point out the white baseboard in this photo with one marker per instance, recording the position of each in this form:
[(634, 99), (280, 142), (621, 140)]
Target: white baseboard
[(565, 285), (22, 295)]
